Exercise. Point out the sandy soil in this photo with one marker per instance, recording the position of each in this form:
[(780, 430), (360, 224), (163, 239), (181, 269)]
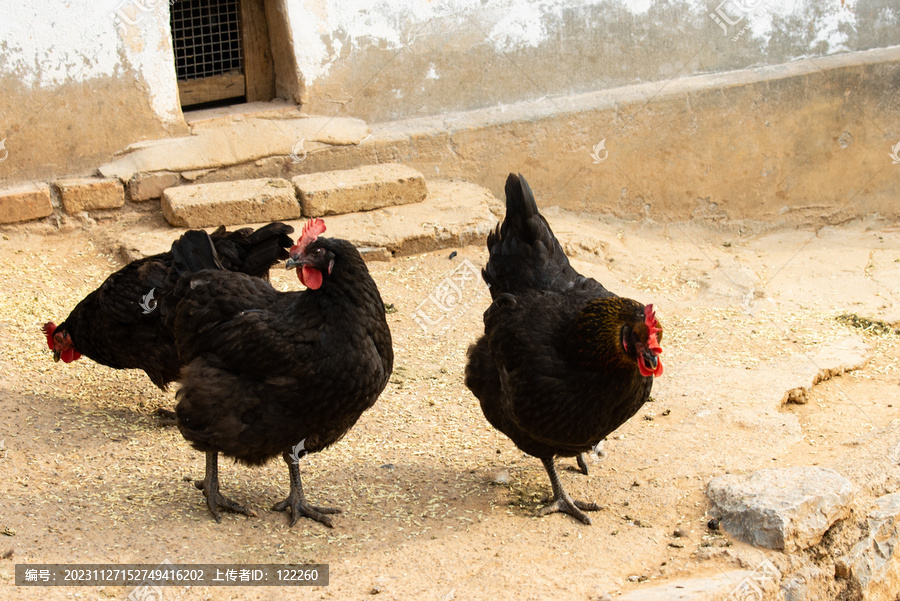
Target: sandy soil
[(88, 474)]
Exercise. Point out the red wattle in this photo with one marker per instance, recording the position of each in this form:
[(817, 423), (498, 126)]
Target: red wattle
[(310, 277), (69, 355)]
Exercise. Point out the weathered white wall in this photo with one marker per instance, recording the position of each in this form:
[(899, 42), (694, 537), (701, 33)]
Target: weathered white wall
[(82, 80), (390, 60), (51, 43)]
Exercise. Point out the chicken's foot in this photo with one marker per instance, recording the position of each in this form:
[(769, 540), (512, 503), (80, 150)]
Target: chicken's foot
[(296, 500), (561, 501), (210, 487)]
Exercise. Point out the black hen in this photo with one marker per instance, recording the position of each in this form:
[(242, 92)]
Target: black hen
[(117, 324), (563, 361), (271, 372)]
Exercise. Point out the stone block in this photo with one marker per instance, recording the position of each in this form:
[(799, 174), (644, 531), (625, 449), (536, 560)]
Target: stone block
[(89, 193), (362, 189), (25, 203), (148, 186), (230, 203)]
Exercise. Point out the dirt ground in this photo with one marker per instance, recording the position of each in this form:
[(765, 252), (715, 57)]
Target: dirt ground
[(437, 504)]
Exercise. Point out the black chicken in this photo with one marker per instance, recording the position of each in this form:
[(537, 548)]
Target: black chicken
[(117, 324), (271, 372), (563, 361)]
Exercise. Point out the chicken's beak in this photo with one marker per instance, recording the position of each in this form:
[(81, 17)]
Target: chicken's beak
[(292, 263), (56, 356), (650, 359)]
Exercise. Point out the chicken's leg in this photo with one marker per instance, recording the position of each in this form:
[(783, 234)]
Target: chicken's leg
[(561, 501), (296, 500), (210, 487)]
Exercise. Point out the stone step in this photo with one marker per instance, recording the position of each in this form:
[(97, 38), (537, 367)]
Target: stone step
[(453, 214), (361, 189), (230, 203)]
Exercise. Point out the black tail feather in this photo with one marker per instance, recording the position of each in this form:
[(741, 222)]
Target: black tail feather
[(194, 251), (253, 252), (524, 253)]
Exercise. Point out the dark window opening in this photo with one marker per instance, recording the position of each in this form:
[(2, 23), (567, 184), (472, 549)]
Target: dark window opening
[(209, 56)]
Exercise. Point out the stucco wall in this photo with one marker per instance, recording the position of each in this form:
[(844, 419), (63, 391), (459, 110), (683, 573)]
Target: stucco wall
[(80, 81), (383, 61)]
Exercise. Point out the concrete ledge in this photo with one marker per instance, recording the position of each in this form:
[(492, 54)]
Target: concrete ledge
[(25, 203), (230, 203), (361, 189), (87, 194)]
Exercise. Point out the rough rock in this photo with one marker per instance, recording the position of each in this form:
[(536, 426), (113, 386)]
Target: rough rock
[(88, 193), (361, 189), (25, 203), (787, 509), (230, 203), (806, 584), (721, 586), (873, 564), (148, 186)]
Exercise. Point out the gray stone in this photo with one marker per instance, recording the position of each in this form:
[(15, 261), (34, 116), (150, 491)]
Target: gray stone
[(25, 203), (361, 189), (149, 186), (89, 193), (873, 564), (230, 203), (781, 508)]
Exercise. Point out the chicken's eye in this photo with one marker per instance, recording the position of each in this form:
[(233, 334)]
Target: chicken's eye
[(319, 251)]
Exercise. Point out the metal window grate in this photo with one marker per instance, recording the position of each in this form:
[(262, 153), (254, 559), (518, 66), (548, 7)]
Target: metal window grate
[(206, 35)]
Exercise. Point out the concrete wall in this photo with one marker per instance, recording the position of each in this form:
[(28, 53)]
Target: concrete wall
[(802, 143), (80, 81), (395, 60)]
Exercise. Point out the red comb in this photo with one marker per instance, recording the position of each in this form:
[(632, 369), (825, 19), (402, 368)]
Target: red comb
[(49, 328), (310, 232)]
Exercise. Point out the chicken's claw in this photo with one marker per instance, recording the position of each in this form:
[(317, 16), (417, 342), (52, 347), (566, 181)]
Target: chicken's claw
[(567, 504), (300, 508)]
